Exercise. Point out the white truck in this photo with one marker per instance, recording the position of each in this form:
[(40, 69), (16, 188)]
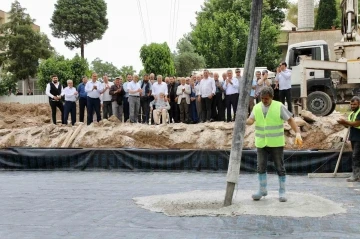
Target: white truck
[(311, 80)]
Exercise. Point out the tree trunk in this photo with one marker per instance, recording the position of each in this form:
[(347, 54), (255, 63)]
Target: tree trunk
[(28, 81), (82, 49), (243, 104)]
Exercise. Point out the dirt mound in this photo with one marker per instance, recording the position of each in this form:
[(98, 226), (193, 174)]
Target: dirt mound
[(28, 125)]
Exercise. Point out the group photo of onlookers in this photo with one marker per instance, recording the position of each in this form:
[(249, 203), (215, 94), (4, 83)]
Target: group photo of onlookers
[(155, 99)]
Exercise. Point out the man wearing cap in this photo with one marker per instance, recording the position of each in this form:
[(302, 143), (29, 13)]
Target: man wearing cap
[(117, 92), (269, 116), (283, 77)]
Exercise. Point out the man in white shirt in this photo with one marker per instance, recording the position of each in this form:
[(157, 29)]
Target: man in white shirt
[(135, 91), (93, 89), (159, 87), (197, 93), (231, 87), (105, 97), (183, 94), (53, 91), (70, 94), (283, 80), (152, 78), (207, 91), (129, 78)]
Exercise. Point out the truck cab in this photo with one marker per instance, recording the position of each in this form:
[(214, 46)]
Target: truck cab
[(321, 99)]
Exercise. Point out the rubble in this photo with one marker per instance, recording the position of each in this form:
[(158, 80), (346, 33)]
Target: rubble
[(30, 126)]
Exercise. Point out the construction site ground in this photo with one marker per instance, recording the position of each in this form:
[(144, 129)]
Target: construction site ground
[(72, 205), (29, 125)]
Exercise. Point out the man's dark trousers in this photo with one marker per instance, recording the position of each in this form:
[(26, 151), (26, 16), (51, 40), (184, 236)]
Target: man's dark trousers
[(53, 105), (70, 107), (93, 104), (206, 108), (82, 105), (126, 108)]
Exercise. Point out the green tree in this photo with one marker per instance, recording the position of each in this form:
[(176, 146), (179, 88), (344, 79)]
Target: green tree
[(292, 13), (125, 70), (79, 69), (21, 47), (7, 83), (80, 22), (141, 73), (102, 68), (327, 15), (186, 59), (157, 59), (65, 69), (221, 32)]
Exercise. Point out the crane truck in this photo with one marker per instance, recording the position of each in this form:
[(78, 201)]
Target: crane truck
[(312, 84)]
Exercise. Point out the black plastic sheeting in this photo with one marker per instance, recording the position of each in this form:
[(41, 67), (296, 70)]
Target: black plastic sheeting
[(296, 162)]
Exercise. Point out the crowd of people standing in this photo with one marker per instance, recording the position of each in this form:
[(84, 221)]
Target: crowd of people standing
[(195, 99)]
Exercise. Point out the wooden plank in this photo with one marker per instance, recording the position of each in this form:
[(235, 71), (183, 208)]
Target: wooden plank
[(329, 175)]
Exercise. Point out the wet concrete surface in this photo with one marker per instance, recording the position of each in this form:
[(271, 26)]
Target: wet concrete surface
[(100, 205)]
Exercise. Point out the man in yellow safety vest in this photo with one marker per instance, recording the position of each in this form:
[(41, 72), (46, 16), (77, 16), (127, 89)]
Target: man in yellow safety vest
[(354, 123), (269, 116)]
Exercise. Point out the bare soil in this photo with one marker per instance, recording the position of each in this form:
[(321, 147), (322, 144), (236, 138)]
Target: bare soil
[(29, 125)]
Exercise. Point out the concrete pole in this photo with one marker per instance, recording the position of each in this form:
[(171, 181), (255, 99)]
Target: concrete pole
[(305, 15), (242, 108)]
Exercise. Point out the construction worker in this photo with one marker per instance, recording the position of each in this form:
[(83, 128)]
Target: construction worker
[(269, 116), (354, 123)]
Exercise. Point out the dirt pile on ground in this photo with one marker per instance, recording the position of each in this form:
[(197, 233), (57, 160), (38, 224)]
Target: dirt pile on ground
[(29, 125)]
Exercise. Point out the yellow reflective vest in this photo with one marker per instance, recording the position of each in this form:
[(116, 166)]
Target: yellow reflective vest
[(269, 130), (352, 119)]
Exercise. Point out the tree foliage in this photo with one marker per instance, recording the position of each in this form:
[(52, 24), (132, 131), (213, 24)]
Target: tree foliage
[(8, 83), (327, 15), (186, 59), (292, 13), (102, 68), (125, 70), (221, 32), (157, 59), (80, 22), (21, 47), (65, 69)]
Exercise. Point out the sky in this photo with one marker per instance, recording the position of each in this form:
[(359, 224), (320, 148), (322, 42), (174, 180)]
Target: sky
[(124, 37)]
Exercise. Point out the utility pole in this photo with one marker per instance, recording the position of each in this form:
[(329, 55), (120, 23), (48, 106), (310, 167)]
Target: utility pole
[(243, 104)]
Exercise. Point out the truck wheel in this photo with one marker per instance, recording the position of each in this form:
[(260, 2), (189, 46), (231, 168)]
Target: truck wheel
[(332, 109), (319, 103)]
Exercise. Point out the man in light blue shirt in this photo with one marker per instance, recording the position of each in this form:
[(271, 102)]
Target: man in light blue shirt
[(82, 98), (93, 89)]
